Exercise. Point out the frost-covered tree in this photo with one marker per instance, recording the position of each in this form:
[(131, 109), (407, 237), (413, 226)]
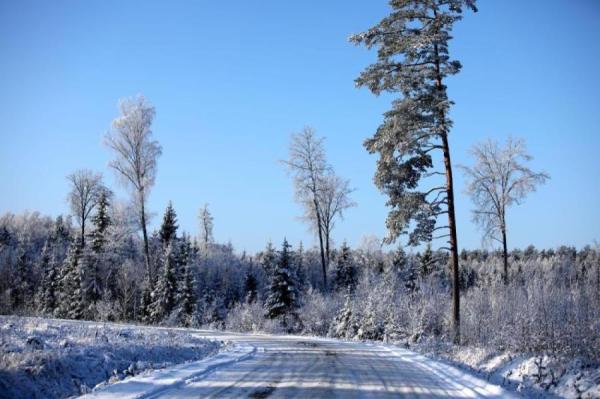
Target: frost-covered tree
[(49, 283), (426, 261), (334, 199), (23, 280), (187, 295), (498, 180), (101, 221), (168, 228), (70, 304), (86, 187), (268, 260), (346, 273), (413, 60), (282, 300), (136, 154), (250, 287), (165, 291), (307, 163), (206, 227), (344, 325)]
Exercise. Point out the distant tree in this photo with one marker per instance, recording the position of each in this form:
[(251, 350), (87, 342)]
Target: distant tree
[(101, 221), (399, 260), (426, 261), (49, 283), (164, 294), (206, 227), (188, 295), (413, 60), (283, 297), (23, 280), (168, 229), (334, 198), (309, 167), (498, 180), (70, 303), (86, 187), (346, 275), (268, 259), (250, 287), (135, 156)]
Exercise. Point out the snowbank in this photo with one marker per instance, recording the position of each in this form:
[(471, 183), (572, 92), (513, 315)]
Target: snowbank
[(46, 358), (534, 375)]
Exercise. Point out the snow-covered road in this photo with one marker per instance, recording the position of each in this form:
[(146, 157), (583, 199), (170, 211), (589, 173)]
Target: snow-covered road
[(261, 366)]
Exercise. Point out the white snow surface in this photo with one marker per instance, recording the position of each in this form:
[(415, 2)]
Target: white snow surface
[(49, 358), (261, 366)]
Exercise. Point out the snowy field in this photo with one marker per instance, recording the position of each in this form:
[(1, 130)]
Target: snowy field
[(46, 358)]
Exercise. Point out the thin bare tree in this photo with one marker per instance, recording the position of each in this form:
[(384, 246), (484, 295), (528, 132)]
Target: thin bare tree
[(497, 180), (136, 154), (206, 227), (86, 187), (334, 198)]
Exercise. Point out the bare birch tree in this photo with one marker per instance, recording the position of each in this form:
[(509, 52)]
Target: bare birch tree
[(497, 180), (206, 227), (334, 198), (309, 167), (136, 154), (86, 187)]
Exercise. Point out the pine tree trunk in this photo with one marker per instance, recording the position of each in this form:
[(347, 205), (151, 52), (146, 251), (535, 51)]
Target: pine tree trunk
[(451, 213), (453, 241)]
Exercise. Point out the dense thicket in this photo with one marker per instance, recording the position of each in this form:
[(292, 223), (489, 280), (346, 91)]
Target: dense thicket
[(551, 303)]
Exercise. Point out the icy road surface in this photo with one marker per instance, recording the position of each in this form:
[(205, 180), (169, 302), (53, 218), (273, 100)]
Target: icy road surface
[(265, 366)]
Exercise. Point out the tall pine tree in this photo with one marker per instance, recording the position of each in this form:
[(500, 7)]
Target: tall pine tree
[(346, 274), (413, 60), (164, 293)]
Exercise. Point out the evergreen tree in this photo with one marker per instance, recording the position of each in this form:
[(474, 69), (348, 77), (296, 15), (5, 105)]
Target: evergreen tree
[(344, 325), (23, 281), (188, 295), (399, 261), (250, 287), (413, 60), (91, 284), (426, 261), (49, 284), (345, 271), (168, 229), (283, 295), (268, 260), (70, 304), (101, 221), (163, 296)]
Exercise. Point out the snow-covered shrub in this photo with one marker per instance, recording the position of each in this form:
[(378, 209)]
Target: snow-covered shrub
[(246, 317), (318, 312)]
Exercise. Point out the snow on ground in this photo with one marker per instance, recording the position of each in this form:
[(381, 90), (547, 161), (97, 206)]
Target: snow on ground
[(47, 358), (534, 375)]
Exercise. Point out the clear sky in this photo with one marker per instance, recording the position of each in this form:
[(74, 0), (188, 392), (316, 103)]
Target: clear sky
[(232, 80)]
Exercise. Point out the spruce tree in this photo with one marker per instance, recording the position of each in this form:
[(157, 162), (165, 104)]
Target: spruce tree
[(250, 287), (413, 60), (426, 261), (101, 221), (70, 298), (168, 229), (164, 294), (49, 286), (187, 295), (344, 325), (268, 259), (283, 295), (345, 270), (23, 280)]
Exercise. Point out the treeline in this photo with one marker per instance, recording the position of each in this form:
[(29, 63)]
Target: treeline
[(551, 302)]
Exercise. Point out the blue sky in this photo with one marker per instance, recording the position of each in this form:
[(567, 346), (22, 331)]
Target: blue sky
[(232, 80)]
